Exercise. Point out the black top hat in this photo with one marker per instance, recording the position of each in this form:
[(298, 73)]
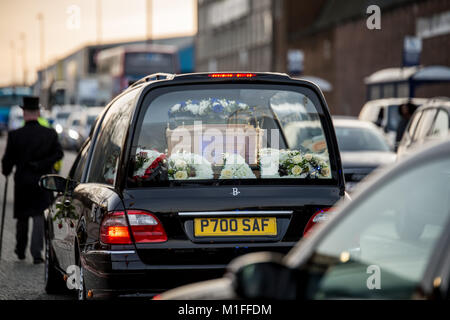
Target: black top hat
[(30, 103)]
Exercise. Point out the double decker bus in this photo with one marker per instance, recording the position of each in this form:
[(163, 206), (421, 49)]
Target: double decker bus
[(118, 67)]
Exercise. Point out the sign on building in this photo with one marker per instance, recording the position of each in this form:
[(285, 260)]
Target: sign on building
[(412, 48), (295, 60)]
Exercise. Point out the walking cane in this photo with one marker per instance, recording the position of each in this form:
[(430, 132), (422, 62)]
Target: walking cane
[(3, 215)]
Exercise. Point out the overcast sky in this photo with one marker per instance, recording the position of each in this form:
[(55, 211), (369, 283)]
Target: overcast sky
[(63, 32)]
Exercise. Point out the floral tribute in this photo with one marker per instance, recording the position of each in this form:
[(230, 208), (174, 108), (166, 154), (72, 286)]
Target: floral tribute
[(207, 107), (293, 164), (65, 210), (189, 166), (272, 163), (148, 163), (235, 167)]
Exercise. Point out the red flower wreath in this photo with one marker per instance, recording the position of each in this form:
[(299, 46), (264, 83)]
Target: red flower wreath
[(155, 164)]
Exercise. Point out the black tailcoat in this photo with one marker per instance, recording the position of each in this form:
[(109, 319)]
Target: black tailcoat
[(33, 149)]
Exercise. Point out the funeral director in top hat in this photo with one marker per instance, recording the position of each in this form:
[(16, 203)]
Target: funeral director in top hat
[(32, 149)]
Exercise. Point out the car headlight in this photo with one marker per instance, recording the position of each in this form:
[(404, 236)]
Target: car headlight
[(59, 128), (73, 134)]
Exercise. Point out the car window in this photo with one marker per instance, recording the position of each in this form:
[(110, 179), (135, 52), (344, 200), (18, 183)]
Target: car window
[(392, 234), (424, 126), (441, 126), (359, 139), (388, 90), (61, 116), (231, 132), (375, 92), (394, 117), (109, 143), (76, 173)]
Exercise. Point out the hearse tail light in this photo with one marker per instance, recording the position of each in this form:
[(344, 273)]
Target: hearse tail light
[(144, 226), (319, 216), (114, 229), (231, 75)]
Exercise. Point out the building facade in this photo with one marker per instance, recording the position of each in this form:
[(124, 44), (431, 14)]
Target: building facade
[(340, 48), (67, 81), (234, 35), (330, 38)]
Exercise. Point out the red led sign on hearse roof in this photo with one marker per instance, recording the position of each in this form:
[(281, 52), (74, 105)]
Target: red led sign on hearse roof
[(231, 75)]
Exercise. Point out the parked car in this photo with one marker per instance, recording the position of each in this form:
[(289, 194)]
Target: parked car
[(60, 116), (78, 127), (88, 118), (183, 173), (15, 118), (363, 149), (385, 114), (391, 242), (70, 136), (429, 124)]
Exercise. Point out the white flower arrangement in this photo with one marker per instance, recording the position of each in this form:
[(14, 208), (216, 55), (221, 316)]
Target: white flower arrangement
[(292, 164), (235, 167), (295, 165), (189, 166), (211, 106)]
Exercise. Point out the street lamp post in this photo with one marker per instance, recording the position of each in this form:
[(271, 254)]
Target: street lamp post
[(13, 62), (99, 21), (149, 11), (24, 57), (40, 18)]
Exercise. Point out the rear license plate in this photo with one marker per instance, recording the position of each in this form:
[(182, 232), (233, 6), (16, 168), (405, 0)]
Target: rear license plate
[(242, 226)]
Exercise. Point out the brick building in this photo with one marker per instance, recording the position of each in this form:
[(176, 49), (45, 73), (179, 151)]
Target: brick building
[(339, 47), (336, 44)]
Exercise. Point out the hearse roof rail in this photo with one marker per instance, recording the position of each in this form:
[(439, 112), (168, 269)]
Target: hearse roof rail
[(153, 77)]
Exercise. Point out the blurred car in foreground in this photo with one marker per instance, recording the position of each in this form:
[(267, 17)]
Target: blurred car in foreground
[(153, 202), (363, 149), (391, 242), (385, 114), (429, 124)]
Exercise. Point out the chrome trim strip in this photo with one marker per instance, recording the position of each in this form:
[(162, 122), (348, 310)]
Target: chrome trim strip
[(110, 252), (234, 213)]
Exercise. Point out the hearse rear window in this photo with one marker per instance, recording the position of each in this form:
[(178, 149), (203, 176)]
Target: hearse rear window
[(227, 134)]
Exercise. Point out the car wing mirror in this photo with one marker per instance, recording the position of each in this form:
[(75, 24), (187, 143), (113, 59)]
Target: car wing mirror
[(53, 182), (263, 275)]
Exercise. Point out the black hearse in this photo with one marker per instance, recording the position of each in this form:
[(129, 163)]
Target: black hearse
[(183, 173)]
